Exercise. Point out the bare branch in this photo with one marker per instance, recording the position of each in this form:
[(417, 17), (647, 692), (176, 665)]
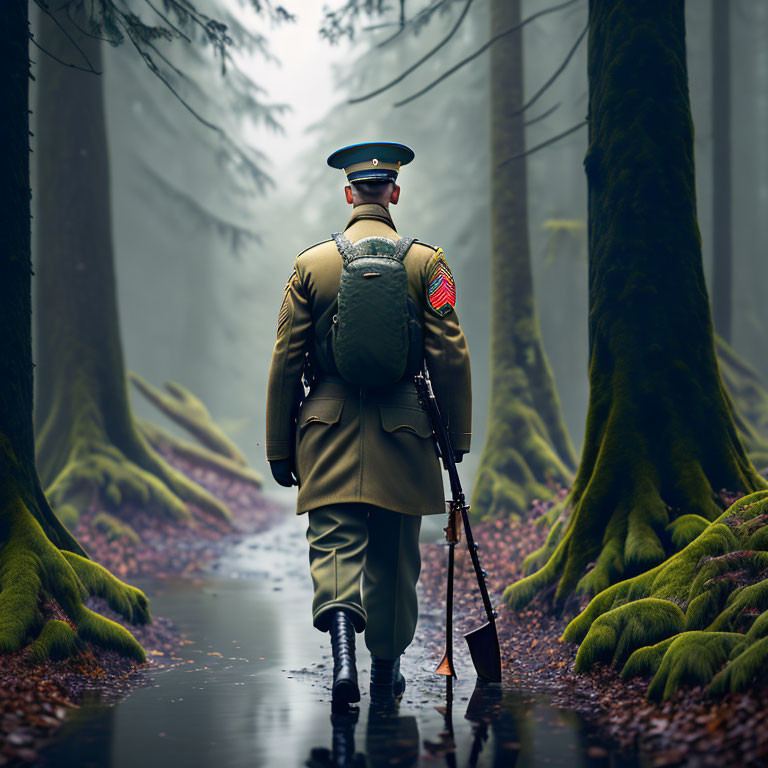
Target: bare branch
[(546, 143), (483, 48), (555, 74), (43, 6), (542, 116), (60, 61), (421, 61)]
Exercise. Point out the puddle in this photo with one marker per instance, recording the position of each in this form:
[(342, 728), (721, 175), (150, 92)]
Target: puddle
[(254, 691)]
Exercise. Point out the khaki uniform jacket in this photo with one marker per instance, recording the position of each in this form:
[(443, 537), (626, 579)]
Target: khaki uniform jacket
[(354, 444)]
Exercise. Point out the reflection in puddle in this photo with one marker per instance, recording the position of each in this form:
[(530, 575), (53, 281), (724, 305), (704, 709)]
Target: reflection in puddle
[(254, 691), (506, 729)]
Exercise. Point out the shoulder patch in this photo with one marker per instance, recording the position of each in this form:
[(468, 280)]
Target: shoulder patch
[(441, 289)]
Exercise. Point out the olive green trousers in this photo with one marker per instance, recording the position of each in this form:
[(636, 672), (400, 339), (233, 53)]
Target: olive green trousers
[(350, 542)]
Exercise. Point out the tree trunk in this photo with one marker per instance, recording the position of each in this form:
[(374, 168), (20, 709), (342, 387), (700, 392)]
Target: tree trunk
[(660, 442), (87, 439), (38, 557), (722, 273), (528, 452)]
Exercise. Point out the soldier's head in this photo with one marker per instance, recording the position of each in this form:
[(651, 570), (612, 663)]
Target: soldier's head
[(371, 170), (381, 192)]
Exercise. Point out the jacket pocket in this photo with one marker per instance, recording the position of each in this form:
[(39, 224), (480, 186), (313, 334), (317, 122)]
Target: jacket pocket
[(400, 417), (320, 410)]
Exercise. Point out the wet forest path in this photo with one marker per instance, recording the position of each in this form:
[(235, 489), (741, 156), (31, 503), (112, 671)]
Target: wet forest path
[(253, 689)]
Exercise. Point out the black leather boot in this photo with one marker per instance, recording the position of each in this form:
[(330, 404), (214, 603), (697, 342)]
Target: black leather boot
[(345, 690), (385, 677)]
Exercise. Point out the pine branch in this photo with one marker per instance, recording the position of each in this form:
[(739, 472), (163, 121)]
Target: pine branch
[(168, 21), (421, 18), (155, 70), (483, 48)]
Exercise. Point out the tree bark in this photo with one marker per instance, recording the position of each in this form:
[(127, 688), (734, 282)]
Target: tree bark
[(722, 241), (661, 442), (87, 438), (528, 452)]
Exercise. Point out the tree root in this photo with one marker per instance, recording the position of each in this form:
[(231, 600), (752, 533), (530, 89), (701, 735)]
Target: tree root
[(33, 570), (165, 443), (94, 465), (519, 464), (627, 517), (181, 406), (699, 618)]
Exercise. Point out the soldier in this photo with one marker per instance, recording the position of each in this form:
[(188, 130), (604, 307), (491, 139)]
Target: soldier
[(360, 446)]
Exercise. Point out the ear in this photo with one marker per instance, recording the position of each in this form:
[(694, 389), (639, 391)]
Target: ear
[(395, 196), (348, 193)]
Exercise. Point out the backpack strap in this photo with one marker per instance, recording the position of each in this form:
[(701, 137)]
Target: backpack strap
[(346, 249), (402, 246)]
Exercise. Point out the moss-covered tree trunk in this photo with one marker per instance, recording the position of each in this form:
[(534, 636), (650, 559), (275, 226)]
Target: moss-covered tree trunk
[(528, 451), (88, 442), (39, 559), (660, 439)]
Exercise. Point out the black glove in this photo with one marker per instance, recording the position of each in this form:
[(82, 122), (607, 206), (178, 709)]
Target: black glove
[(284, 472), (458, 456)]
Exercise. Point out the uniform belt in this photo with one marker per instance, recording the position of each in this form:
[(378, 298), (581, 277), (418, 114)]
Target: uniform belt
[(403, 391)]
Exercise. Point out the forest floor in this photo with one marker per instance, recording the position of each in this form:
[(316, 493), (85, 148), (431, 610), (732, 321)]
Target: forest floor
[(35, 698), (688, 729)]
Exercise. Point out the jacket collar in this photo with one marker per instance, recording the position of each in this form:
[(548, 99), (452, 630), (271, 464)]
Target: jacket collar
[(370, 211)]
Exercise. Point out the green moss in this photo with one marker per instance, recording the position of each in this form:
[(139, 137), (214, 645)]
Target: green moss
[(523, 591), (84, 450), (32, 568), (759, 539), (646, 660), (56, 640), (114, 529), (180, 405), (97, 465), (615, 635), (167, 443), (693, 658), (745, 672), (670, 581), (68, 515), (538, 557), (745, 603), (518, 464), (685, 529), (719, 582)]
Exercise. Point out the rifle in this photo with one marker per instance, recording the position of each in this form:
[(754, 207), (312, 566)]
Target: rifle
[(483, 642)]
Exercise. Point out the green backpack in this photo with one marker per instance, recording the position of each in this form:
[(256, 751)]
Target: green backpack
[(376, 336)]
